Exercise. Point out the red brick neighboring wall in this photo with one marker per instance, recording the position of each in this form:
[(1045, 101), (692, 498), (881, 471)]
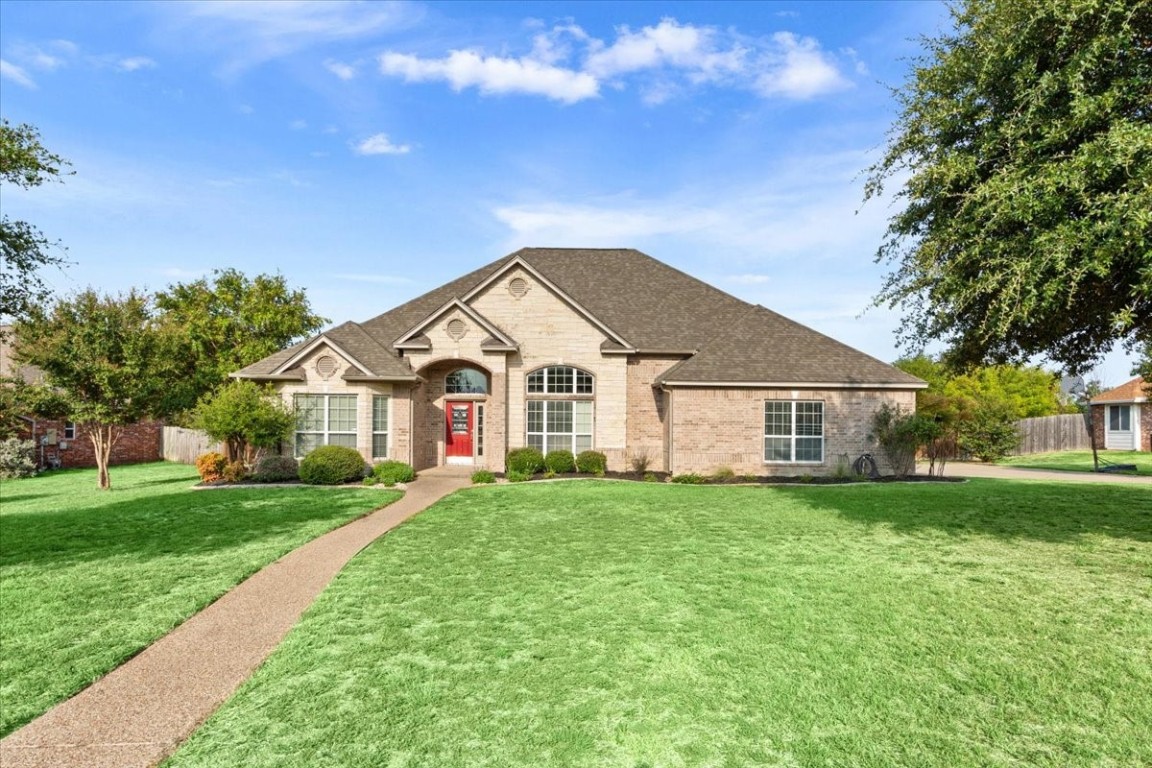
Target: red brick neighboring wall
[(715, 428), (138, 443), (1100, 419)]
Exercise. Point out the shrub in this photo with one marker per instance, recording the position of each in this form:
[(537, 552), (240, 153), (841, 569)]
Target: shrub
[(689, 478), (276, 469), (592, 462), (641, 461), (991, 433), (370, 480), (332, 465), (724, 473), (17, 458), (517, 477), (234, 471), (651, 478), (483, 477), (526, 461), (211, 466), (245, 417), (901, 435), (559, 462), (392, 471)]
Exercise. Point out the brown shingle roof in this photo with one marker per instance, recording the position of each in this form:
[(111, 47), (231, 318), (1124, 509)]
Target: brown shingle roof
[(1129, 392), (649, 306)]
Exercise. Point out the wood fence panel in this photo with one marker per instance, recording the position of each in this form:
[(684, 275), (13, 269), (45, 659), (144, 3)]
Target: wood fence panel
[(184, 445), (1044, 434)]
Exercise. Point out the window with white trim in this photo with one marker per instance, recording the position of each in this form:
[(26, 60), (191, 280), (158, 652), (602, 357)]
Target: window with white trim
[(560, 380), (324, 420), (380, 426), (794, 431), (1119, 418), (69, 430), (479, 429), (555, 425)]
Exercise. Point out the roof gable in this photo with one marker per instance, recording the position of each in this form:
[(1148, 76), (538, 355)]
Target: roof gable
[(416, 337), (1133, 391)]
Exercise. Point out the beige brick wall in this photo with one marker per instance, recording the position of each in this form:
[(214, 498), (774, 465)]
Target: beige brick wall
[(646, 409), (715, 428)]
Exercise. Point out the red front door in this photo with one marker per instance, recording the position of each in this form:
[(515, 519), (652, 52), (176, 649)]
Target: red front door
[(460, 419)]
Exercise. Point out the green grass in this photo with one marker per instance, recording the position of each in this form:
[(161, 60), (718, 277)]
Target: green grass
[(1080, 461), (990, 623), (89, 578)]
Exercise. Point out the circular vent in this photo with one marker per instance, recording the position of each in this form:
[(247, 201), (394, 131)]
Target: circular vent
[(326, 365), (456, 329), (518, 286)]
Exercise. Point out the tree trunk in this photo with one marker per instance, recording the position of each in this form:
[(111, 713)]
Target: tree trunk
[(103, 436)]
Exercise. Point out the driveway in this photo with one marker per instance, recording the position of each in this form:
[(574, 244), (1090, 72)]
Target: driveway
[(973, 469)]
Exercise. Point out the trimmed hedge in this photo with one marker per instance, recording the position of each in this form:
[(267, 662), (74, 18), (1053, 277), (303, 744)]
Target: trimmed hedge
[(526, 461), (392, 471), (276, 469), (560, 462), (332, 465), (592, 462)]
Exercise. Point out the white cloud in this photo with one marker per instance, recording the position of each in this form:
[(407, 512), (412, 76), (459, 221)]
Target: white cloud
[(9, 71), (134, 63), (665, 60), (380, 144), (801, 71), (298, 125), (340, 69), (494, 75)]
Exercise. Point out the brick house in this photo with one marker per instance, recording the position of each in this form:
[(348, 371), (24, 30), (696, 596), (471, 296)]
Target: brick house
[(65, 444), (1122, 417), (605, 349)]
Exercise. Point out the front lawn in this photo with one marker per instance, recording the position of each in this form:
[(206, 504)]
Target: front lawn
[(989, 623), (89, 578), (1080, 461)]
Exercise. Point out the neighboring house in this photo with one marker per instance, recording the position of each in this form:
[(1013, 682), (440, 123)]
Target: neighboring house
[(576, 349), (62, 443), (1122, 417)]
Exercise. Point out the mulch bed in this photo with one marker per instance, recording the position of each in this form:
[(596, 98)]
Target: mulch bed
[(664, 477)]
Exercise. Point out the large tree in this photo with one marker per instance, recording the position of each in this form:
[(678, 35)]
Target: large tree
[(228, 322), (1023, 151), (109, 359), (24, 249)]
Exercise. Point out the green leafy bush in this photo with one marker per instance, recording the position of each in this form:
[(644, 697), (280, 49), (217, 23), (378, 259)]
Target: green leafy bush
[(527, 461), (901, 435), (276, 469), (332, 465), (392, 471), (483, 477), (592, 462), (17, 458), (559, 462), (689, 478), (211, 466), (517, 477), (990, 433), (235, 471)]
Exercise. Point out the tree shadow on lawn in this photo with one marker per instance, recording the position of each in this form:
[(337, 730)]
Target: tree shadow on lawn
[(173, 524), (1005, 509)]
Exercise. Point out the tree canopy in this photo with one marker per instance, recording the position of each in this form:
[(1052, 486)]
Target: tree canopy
[(1023, 150), (107, 357), (245, 417), (228, 322), (24, 249)]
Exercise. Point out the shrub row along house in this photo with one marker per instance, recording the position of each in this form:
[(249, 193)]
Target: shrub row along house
[(577, 349)]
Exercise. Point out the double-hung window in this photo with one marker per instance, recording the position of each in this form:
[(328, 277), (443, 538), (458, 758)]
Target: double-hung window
[(564, 421), (1119, 418), (380, 426), (794, 431), (324, 420)]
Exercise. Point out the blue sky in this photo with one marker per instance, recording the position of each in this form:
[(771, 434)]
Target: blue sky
[(372, 151)]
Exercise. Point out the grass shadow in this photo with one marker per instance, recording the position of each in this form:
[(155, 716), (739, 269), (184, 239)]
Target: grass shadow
[(1004, 509)]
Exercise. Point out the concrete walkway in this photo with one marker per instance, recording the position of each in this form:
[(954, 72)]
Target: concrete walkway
[(140, 712), (969, 469)]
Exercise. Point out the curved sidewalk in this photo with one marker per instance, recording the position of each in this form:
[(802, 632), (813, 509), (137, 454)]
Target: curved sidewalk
[(970, 469), (140, 712)]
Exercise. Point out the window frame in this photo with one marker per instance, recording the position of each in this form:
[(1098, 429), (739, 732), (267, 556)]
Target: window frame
[(453, 391), (386, 433), (794, 434), (69, 430), (326, 432), (548, 416), (560, 380), (1120, 414)]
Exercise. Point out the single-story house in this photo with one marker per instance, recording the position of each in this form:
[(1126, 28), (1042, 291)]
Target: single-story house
[(61, 443), (1122, 417), (577, 349)]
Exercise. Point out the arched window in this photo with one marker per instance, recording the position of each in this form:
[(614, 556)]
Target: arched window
[(560, 423), (466, 381)]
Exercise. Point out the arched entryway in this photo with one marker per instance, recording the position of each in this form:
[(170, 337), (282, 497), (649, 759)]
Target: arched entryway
[(454, 414)]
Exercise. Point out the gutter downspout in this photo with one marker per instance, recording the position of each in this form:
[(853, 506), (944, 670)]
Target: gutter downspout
[(670, 442)]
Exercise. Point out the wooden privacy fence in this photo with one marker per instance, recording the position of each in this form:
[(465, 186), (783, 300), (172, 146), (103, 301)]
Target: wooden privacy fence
[(184, 445), (1066, 432)]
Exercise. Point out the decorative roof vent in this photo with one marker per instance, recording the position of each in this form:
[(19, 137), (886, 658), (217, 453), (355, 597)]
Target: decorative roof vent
[(456, 329), (326, 366), (518, 286)]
